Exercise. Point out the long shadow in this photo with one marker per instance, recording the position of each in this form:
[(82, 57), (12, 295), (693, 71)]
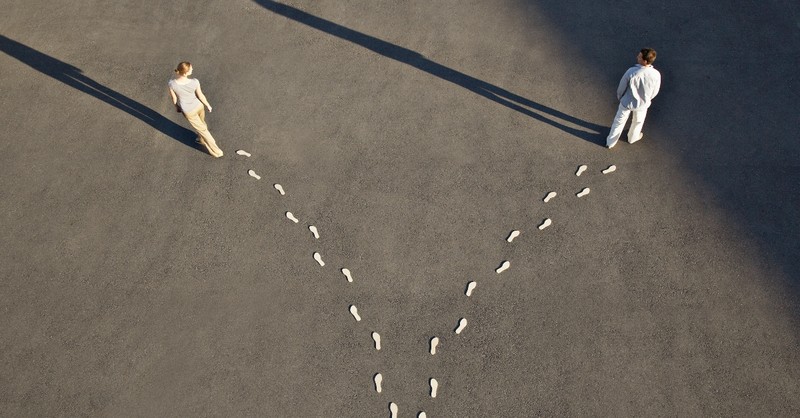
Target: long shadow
[(496, 94), (75, 78)]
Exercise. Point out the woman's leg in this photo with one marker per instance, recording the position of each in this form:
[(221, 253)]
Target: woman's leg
[(198, 122)]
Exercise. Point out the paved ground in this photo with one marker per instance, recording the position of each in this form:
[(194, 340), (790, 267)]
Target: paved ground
[(140, 277)]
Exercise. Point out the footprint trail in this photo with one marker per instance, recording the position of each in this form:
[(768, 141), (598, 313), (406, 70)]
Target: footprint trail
[(470, 287), (354, 312), (503, 267), (462, 323)]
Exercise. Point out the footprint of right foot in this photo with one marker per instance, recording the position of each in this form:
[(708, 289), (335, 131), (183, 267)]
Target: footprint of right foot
[(279, 188), (377, 338), (581, 169), (610, 169), (550, 196), (503, 267), (354, 311), (314, 231), (583, 192), (291, 217), (318, 258), (470, 288), (243, 152), (434, 344), (462, 323), (434, 387), (378, 378), (253, 174), (393, 409), (422, 415), (547, 222), (512, 235), (347, 274)]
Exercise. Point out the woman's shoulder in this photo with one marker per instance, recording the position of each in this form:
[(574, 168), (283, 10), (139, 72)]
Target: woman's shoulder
[(188, 82)]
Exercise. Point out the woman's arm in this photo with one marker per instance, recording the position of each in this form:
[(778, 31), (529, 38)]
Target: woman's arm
[(202, 97), (174, 99)]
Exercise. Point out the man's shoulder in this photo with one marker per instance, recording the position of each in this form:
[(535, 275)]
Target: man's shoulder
[(644, 71)]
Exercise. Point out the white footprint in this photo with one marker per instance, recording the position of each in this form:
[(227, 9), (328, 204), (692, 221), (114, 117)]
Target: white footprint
[(393, 409), (581, 169), (354, 311), (314, 231), (377, 338), (550, 196), (462, 323), (612, 168), (347, 274), (253, 174), (291, 217), (279, 188), (547, 222), (318, 257), (378, 378), (434, 387), (422, 415), (503, 267), (583, 192), (243, 152), (470, 288), (434, 344), (512, 235)]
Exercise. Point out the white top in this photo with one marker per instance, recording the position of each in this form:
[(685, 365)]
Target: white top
[(638, 87), (186, 94)]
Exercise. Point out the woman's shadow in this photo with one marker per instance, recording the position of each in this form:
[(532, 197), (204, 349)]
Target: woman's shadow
[(75, 78)]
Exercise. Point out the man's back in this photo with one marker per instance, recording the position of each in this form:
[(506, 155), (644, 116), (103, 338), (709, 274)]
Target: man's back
[(638, 87)]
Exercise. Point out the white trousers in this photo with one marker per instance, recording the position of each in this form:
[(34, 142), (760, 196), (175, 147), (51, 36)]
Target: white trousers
[(621, 117)]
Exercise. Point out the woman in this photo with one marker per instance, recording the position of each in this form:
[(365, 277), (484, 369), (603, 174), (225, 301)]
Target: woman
[(185, 93)]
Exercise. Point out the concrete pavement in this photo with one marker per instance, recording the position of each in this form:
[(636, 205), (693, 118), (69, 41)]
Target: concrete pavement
[(142, 277)]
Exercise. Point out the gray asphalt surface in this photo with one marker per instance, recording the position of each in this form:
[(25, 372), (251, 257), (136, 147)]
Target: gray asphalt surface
[(141, 277)]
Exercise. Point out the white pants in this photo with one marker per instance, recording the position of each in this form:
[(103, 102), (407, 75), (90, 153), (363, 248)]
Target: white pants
[(619, 124)]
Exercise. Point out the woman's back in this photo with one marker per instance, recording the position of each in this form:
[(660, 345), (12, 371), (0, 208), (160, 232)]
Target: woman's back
[(186, 93)]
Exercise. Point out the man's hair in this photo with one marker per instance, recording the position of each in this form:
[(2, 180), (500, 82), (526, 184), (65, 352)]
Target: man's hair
[(648, 55)]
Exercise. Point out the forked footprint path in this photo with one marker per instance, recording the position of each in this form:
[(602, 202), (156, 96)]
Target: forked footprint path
[(462, 323)]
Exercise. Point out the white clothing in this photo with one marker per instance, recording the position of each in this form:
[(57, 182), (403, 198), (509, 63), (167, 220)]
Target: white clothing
[(638, 87), (187, 98), (636, 90), (634, 133)]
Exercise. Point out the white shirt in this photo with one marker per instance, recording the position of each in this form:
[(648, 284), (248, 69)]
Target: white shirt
[(638, 87)]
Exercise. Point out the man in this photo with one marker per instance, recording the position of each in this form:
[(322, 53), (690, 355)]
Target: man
[(638, 87)]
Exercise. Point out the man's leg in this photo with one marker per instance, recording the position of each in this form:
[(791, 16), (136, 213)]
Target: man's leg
[(616, 128), (635, 133)]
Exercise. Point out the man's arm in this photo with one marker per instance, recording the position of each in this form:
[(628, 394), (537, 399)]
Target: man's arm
[(658, 85), (623, 85)]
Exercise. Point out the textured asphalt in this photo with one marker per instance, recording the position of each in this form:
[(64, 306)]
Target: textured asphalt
[(141, 277)]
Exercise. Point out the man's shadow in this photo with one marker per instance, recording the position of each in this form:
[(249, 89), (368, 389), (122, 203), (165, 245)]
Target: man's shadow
[(496, 94), (75, 78)]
